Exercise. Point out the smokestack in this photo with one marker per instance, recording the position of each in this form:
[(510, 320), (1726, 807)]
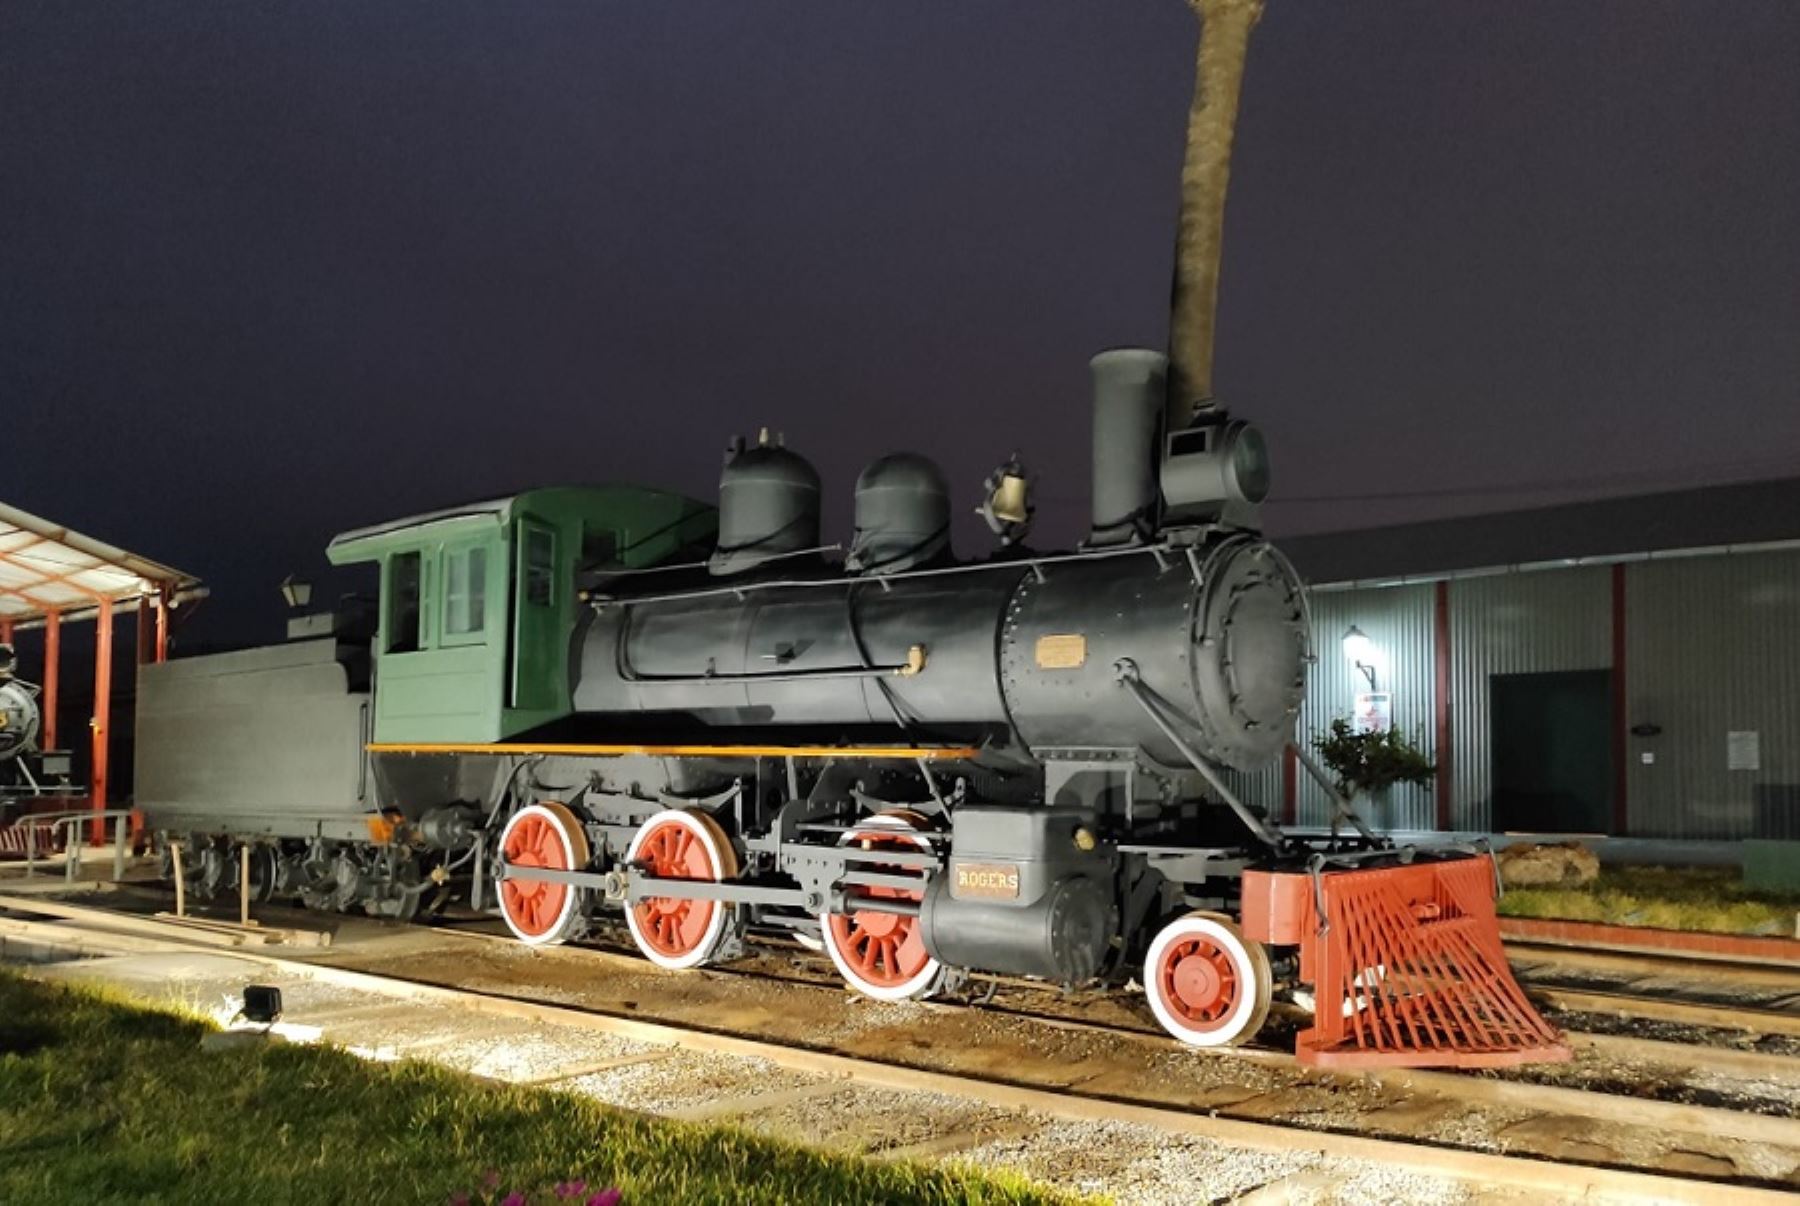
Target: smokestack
[(1130, 392)]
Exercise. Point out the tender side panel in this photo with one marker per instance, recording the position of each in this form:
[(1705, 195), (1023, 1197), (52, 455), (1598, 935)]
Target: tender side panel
[(258, 741)]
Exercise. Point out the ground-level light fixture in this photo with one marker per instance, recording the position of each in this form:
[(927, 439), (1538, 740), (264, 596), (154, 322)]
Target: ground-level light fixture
[(1360, 651), (297, 591), (262, 1004)]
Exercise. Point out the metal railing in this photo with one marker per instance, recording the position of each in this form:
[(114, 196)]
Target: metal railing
[(52, 821)]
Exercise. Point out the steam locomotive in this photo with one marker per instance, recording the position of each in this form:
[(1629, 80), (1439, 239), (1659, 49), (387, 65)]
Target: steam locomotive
[(614, 704), (26, 769), (19, 716)]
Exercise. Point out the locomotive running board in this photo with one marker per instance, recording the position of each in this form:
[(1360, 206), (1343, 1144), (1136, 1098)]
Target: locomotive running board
[(1407, 965)]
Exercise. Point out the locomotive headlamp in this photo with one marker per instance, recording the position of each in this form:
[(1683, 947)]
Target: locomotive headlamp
[(1211, 464), (1360, 651)]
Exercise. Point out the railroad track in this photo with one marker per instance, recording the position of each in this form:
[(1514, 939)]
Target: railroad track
[(1097, 1099), (1071, 1104), (1746, 1018), (1707, 993), (1649, 965), (1577, 995), (1773, 1066)]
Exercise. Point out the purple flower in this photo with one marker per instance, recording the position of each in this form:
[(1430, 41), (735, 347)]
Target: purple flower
[(515, 1198), (570, 1189), (606, 1197), (491, 1180)]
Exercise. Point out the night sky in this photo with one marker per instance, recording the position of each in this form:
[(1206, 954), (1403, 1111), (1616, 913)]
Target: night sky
[(271, 271)]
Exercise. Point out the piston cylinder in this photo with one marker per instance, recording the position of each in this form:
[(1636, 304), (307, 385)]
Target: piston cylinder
[(1021, 896)]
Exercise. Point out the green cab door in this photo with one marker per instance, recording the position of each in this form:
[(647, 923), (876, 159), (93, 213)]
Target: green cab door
[(540, 620)]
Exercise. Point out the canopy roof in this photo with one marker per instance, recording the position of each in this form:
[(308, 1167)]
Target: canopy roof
[(47, 568)]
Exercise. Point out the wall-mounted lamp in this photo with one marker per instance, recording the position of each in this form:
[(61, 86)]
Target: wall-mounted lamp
[(1360, 651), (297, 591)]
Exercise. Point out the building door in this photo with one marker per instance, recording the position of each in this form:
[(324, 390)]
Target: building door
[(1552, 751)]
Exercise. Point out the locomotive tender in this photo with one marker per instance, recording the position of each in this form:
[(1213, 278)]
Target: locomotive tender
[(616, 702)]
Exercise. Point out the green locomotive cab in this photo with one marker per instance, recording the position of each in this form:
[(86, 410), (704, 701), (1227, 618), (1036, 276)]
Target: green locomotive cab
[(478, 603)]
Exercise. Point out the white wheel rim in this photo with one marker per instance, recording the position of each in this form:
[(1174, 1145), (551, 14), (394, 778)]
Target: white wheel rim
[(1227, 939), (708, 944), (906, 990), (564, 922)]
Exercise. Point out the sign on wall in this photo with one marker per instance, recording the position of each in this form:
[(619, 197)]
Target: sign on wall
[(1374, 712), (1743, 750)]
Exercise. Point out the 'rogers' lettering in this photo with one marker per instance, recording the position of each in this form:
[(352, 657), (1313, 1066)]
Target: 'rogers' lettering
[(977, 879)]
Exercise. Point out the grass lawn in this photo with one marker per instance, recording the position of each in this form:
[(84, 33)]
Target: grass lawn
[(1711, 899), (104, 1100)]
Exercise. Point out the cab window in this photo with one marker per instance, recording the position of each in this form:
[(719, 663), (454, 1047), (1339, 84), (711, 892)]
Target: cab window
[(465, 591), (403, 603), (599, 548), (540, 565)]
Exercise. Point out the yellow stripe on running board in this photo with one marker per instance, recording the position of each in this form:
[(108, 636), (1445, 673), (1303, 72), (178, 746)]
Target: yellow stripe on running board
[(960, 753)]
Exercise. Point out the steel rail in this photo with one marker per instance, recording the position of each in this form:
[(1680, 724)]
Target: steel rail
[(1646, 962), (1716, 1015)]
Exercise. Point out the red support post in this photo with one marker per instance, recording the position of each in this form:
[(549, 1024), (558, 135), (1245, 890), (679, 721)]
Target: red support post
[(162, 624), (5, 632), (1441, 687), (1621, 722), (1290, 786), (143, 630), (146, 649), (52, 674), (102, 722)]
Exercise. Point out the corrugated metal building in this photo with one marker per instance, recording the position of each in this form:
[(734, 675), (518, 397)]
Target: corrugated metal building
[(1629, 667)]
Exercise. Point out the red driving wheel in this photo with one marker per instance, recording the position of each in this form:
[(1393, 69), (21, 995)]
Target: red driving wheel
[(883, 955), (542, 835), (672, 931)]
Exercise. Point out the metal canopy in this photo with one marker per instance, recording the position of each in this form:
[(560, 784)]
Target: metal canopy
[(47, 569), (49, 575)]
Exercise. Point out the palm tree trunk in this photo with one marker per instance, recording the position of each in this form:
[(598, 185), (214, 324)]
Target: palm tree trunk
[(1225, 27)]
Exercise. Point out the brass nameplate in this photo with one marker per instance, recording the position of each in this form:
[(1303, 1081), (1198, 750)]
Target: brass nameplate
[(987, 881), (1062, 651)]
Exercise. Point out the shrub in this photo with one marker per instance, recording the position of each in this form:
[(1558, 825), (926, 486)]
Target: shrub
[(1370, 762)]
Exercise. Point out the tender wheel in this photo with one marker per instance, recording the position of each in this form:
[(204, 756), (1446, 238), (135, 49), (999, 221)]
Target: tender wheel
[(542, 835), (262, 872), (883, 955), (1208, 985), (679, 844)]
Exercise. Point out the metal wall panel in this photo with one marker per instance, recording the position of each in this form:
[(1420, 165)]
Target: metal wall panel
[(1399, 623), (1259, 788), (1398, 620), (1712, 648), (1521, 623)]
